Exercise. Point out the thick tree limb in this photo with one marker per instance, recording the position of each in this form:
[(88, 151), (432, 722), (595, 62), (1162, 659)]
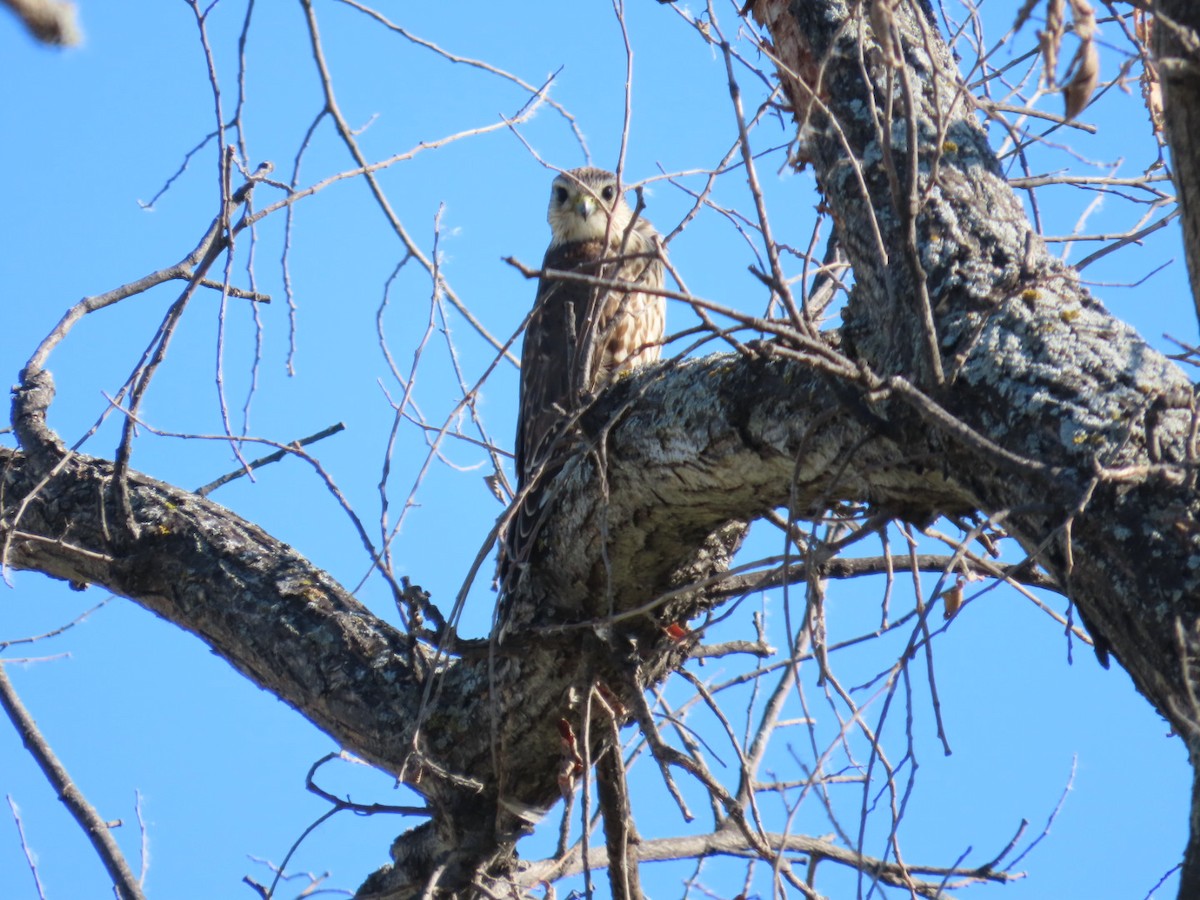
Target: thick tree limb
[(732, 437), (286, 625), (1033, 362)]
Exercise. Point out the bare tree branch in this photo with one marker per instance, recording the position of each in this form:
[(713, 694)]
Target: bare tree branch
[(98, 832)]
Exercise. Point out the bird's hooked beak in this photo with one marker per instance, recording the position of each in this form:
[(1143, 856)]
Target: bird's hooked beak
[(585, 206)]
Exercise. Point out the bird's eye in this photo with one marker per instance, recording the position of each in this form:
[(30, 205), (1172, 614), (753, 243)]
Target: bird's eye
[(608, 193), (560, 194)]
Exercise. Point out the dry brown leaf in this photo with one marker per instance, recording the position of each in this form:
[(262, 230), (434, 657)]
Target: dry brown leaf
[(1086, 67), (1050, 38), (1049, 49), (493, 481), (952, 599), (1143, 25), (1152, 93), (1055, 16)]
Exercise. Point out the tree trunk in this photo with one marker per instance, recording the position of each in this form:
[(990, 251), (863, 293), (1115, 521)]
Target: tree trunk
[(1096, 475), (1177, 54)]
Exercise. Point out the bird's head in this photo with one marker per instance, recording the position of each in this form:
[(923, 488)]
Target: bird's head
[(585, 205)]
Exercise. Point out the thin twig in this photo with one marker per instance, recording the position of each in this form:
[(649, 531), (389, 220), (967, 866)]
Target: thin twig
[(268, 459), (30, 859), (96, 829)]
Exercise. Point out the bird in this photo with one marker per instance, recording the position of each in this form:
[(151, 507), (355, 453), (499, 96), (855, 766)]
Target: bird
[(580, 337)]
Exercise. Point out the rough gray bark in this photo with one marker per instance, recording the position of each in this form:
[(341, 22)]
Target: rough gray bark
[(1030, 361), (977, 375), (730, 438), (1177, 52), (1177, 55)]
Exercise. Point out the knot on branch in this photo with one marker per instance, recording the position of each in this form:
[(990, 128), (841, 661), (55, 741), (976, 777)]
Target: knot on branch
[(31, 399)]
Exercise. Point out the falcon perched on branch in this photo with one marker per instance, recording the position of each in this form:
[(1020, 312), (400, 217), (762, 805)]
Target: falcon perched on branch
[(580, 336)]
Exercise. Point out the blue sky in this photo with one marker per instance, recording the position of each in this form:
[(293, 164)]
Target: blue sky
[(134, 706)]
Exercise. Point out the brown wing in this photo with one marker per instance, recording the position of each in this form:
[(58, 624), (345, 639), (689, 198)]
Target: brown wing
[(550, 366), (550, 357), (577, 338)]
